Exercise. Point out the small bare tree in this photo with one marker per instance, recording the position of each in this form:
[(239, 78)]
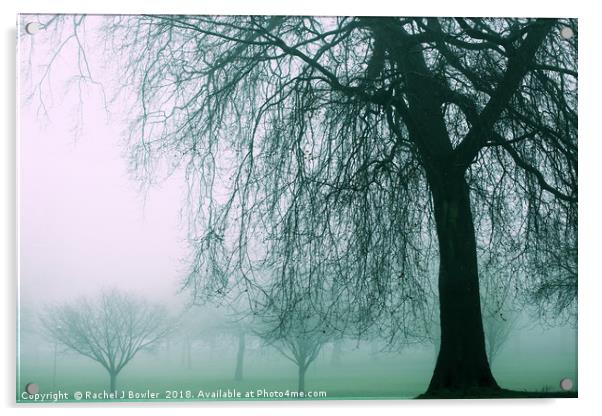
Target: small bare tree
[(110, 329), (301, 345), (296, 332)]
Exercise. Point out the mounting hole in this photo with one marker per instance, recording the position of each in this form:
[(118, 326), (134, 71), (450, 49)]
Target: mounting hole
[(566, 33), (32, 388), (566, 384), (32, 27)]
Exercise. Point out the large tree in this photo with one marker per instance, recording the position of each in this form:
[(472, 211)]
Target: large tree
[(360, 148)]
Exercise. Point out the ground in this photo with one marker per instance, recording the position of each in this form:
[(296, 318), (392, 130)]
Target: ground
[(358, 375)]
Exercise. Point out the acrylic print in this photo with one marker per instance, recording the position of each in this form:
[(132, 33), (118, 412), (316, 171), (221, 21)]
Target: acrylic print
[(296, 208)]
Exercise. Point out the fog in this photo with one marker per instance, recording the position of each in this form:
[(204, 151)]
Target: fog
[(532, 359), (75, 198), (87, 226)]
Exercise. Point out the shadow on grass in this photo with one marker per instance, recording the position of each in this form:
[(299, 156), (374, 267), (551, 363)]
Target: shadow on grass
[(498, 394)]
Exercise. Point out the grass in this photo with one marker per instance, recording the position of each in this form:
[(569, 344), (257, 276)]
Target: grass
[(499, 394), (357, 377)]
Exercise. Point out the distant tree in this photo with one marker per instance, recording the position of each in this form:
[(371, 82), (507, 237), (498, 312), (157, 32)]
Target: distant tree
[(187, 331), (238, 324), (336, 351), (299, 337), (500, 309), (197, 324), (362, 147), (240, 353), (110, 329), (498, 325), (206, 323), (301, 345)]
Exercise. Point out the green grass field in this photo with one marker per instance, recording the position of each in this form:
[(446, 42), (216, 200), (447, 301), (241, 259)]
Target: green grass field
[(359, 375)]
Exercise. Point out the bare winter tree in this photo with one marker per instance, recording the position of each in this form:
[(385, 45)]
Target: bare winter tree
[(498, 325), (110, 329), (500, 308), (301, 346), (362, 149), (211, 325), (197, 324), (299, 337)]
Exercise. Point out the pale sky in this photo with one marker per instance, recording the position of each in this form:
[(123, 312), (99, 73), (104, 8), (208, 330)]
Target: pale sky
[(84, 224)]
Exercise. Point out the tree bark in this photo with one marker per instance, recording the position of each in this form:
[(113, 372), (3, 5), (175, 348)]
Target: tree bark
[(240, 356), (301, 377), (113, 382), (462, 365)]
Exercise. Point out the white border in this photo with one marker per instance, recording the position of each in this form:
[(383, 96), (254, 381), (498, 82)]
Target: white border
[(590, 347)]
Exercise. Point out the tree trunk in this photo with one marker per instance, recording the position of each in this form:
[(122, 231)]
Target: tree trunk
[(188, 353), (490, 341), (335, 358), (240, 356), (374, 351), (113, 385), (301, 377), (462, 365), (212, 346)]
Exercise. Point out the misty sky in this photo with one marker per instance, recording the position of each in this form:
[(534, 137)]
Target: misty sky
[(84, 223)]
